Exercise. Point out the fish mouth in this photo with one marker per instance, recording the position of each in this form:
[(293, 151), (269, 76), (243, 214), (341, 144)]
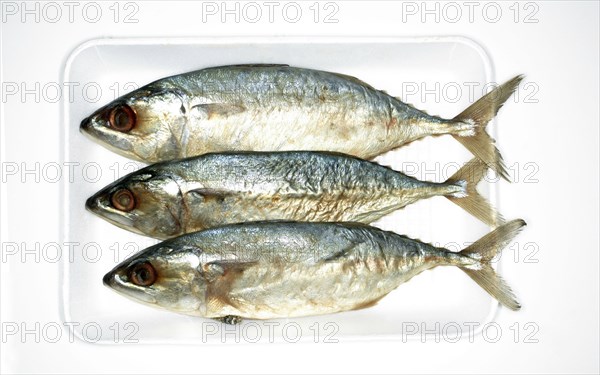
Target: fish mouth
[(99, 205), (114, 280), (92, 204), (107, 279), (98, 131), (89, 128), (85, 125)]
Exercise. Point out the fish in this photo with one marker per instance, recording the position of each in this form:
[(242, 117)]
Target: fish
[(269, 107), (277, 269), (168, 199)]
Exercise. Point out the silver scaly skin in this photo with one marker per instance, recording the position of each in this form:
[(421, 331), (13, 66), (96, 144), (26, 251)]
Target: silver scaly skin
[(176, 197), (277, 108), (266, 270)]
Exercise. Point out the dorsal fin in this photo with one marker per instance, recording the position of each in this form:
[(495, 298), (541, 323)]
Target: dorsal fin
[(410, 104), (258, 65), (354, 80)]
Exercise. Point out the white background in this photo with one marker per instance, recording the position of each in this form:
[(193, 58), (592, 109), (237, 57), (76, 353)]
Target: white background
[(559, 133)]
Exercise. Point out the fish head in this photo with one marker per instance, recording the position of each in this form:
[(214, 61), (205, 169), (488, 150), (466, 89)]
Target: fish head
[(148, 124), (147, 202), (161, 276)]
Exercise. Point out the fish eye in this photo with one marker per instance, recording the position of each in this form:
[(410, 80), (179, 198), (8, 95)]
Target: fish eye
[(122, 118), (123, 200), (142, 274)]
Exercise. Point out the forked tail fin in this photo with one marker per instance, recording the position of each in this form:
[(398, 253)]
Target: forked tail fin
[(483, 251), (472, 202), (480, 113)]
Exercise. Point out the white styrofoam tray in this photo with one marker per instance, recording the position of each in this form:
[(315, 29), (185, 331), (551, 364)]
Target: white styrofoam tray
[(435, 74)]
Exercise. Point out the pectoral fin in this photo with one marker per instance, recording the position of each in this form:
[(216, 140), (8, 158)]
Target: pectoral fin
[(210, 195), (224, 271), (217, 110), (220, 277)]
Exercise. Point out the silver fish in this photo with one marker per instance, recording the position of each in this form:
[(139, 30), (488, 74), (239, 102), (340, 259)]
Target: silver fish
[(279, 108), (271, 270), (168, 199)]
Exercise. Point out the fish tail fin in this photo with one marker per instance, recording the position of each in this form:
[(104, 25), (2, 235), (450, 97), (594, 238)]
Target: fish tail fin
[(479, 114), (469, 198), (483, 251)]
